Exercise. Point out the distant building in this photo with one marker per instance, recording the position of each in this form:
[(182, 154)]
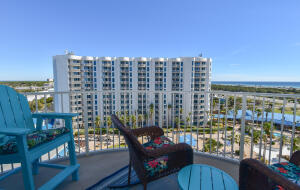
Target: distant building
[(132, 84)]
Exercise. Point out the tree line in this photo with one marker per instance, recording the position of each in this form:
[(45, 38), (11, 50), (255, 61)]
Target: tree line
[(254, 89)]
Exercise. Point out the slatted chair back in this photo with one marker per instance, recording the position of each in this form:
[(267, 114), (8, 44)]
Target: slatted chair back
[(14, 110), (134, 145)]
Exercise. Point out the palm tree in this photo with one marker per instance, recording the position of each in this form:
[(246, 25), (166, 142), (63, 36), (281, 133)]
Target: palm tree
[(169, 114), (118, 114), (133, 120), (151, 113), (266, 136), (180, 116), (98, 124), (122, 119), (146, 117), (140, 120), (268, 110), (177, 122), (237, 139), (97, 121), (32, 105), (296, 144), (258, 113), (127, 118), (188, 119), (108, 125)]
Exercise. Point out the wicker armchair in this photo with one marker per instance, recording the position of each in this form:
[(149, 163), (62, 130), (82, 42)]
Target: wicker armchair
[(254, 175), (175, 156)]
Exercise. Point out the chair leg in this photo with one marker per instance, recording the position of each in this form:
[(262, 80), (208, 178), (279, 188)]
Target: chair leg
[(35, 167), (129, 172), (26, 165), (145, 185), (27, 176), (71, 147), (73, 161)]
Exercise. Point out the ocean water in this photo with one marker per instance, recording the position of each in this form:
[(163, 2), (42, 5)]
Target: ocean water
[(260, 84)]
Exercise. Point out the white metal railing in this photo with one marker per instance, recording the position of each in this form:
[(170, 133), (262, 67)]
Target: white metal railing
[(232, 125)]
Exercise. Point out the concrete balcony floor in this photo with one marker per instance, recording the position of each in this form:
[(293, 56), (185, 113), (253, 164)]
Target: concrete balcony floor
[(101, 164)]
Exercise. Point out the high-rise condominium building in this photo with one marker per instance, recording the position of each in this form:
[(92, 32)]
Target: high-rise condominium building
[(134, 85)]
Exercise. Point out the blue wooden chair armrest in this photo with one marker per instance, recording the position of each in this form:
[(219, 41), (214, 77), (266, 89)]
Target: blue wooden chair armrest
[(41, 116), (15, 131), (54, 115)]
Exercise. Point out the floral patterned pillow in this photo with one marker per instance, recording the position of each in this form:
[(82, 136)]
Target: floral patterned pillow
[(288, 170), (9, 146), (157, 165), (158, 142)]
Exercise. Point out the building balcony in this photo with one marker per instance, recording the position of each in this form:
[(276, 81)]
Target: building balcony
[(235, 121)]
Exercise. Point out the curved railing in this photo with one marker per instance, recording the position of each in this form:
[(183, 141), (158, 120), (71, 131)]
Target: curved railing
[(231, 125)]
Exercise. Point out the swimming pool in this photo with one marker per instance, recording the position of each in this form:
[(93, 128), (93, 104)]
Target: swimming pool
[(277, 134), (188, 138)]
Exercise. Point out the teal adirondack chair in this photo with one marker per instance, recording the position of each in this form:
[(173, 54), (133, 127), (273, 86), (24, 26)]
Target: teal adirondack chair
[(21, 142)]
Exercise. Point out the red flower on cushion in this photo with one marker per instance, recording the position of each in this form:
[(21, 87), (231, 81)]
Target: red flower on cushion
[(279, 187), (149, 147), (284, 163), (282, 170), (153, 163), (157, 140)]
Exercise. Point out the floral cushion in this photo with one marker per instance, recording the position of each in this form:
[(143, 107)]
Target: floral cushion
[(33, 139), (154, 166), (158, 142), (288, 170), (157, 165)]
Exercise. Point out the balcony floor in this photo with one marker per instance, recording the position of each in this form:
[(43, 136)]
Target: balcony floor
[(97, 166)]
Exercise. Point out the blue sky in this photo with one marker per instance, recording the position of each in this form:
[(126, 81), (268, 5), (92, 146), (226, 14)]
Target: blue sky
[(247, 40)]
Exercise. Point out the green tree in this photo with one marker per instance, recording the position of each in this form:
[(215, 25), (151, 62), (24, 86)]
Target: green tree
[(122, 119), (140, 120), (146, 117), (98, 121), (169, 114), (296, 144), (98, 124), (133, 120), (213, 144), (40, 106), (268, 110), (108, 125), (151, 107), (177, 123)]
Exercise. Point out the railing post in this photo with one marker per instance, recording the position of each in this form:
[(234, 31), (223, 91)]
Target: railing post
[(86, 127), (242, 138)]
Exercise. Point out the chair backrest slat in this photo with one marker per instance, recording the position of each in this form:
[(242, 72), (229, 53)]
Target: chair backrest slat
[(15, 110), (26, 111), (6, 108), (134, 145), (2, 121)]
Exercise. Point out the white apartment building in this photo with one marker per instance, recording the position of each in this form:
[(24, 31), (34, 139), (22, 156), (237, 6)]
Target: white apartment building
[(132, 84)]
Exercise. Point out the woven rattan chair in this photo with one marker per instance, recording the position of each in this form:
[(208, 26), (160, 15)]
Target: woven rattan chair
[(167, 159), (254, 175)]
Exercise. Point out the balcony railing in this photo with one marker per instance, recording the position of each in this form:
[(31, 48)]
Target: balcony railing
[(231, 125)]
